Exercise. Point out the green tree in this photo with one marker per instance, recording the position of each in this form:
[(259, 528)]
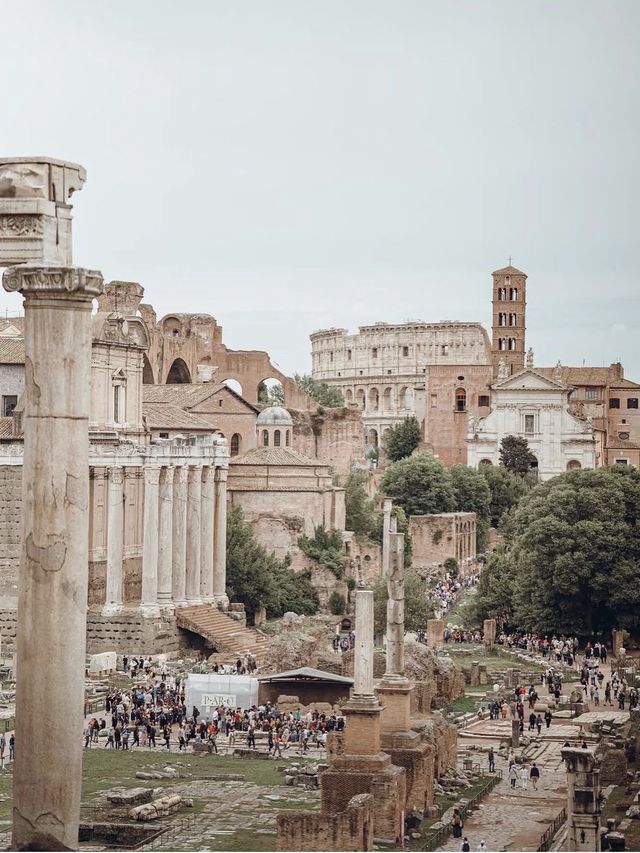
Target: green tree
[(360, 513), (451, 567), (573, 562), (271, 396), (506, 490), (420, 485), (323, 394), (401, 440), (337, 604), (417, 603), (257, 578), (325, 547), (515, 455), (472, 494), (494, 592)]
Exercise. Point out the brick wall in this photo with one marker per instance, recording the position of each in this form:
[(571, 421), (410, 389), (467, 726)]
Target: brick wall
[(351, 829), (10, 531)]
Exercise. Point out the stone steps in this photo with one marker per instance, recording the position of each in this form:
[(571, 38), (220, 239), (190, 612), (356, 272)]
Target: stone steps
[(223, 631)]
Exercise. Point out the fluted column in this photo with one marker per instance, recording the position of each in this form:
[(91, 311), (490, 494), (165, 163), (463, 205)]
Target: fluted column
[(54, 573), (115, 540), (165, 539), (206, 527), (179, 535), (220, 539), (194, 509), (387, 506), (149, 604)]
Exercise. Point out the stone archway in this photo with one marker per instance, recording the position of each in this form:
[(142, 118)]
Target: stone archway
[(179, 373)]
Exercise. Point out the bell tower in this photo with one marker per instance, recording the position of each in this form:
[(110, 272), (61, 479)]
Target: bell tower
[(509, 319)]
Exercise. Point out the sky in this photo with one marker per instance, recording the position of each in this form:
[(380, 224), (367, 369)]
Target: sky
[(293, 165)]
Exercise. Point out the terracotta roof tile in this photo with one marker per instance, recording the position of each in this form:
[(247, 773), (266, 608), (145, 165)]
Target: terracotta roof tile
[(274, 456), (6, 427), (168, 416), (11, 350), (582, 375)]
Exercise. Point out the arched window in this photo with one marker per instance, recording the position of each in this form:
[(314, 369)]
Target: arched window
[(372, 437), (119, 386), (265, 438), (461, 400), (512, 344), (502, 294), (387, 400), (234, 447), (288, 438), (276, 438), (360, 398), (513, 294), (502, 319), (513, 319), (348, 395), (573, 465), (374, 399), (179, 373), (486, 462), (502, 343)]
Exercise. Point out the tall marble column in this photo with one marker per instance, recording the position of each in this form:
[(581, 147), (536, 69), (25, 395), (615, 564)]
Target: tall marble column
[(220, 539), (179, 535), (387, 505), (194, 498), (53, 581), (165, 539), (149, 603), (115, 541), (206, 542), (363, 650)]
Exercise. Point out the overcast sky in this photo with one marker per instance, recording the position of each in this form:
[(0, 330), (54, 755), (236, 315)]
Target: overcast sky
[(288, 165)]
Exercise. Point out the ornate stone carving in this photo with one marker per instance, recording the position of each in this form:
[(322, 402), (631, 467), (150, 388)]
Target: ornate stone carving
[(529, 361), (52, 281), (21, 226), (503, 372)]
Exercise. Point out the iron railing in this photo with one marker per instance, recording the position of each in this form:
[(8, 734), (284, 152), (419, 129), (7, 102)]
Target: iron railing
[(439, 836), (547, 837), (170, 831)]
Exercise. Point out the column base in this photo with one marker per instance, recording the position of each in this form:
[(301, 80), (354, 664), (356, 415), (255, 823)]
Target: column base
[(194, 602), (221, 601), (208, 599), (149, 611), (166, 607), (111, 609), (180, 602)]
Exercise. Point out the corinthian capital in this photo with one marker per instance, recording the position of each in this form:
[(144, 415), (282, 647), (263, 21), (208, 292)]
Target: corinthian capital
[(53, 281)]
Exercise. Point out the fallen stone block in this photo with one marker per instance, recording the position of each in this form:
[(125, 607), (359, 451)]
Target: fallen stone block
[(163, 807), (129, 796)]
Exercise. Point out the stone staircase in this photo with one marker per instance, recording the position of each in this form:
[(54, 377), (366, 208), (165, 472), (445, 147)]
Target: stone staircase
[(223, 632)]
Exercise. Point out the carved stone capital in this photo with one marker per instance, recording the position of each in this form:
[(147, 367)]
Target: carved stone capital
[(53, 281), (116, 475), (152, 474)]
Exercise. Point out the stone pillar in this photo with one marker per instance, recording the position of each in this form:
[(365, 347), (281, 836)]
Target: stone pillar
[(387, 505), (617, 642), (165, 539), (206, 528), (363, 650), (194, 497), (395, 607), (149, 604), (115, 541), (435, 633), (220, 539), (489, 634), (179, 535), (515, 733), (583, 799), (53, 580)]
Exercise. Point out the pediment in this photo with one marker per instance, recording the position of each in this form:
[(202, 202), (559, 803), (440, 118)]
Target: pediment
[(528, 380)]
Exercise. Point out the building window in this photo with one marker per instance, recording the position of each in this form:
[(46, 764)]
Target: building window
[(622, 461), (348, 355), (444, 349), (512, 344), (288, 437), (614, 403), (405, 351), (483, 400), (624, 436), (9, 402), (502, 343), (513, 294), (163, 435), (331, 356), (592, 393), (276, 438), (513, 319), (530, 424), (461, 400), (234, 447), (265, 438), (119, 386), (502, 294), (434, 401), (632, 403), (374, 352), (502, 319)]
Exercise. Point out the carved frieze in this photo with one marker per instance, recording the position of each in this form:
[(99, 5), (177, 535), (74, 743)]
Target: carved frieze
[(17, 225)]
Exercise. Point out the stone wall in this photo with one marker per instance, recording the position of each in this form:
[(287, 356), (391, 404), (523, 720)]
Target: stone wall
[(323, 580), (128, 633), (335, 437), (10, 532), (351, 829), (435, 538)]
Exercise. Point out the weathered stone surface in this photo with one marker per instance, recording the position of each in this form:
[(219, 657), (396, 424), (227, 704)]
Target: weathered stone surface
[(129, 797), (158, 808)]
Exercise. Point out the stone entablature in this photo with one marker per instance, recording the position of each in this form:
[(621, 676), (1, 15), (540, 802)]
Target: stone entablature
[(537, 408), (35, 216)]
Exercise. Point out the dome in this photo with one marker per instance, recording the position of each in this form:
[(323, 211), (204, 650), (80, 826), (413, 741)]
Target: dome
[(274, 416)]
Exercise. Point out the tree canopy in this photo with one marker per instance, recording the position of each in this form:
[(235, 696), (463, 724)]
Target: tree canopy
[(571, 563), (472, 494), (515, 455), (323, 394), (401, 440), (505, 489), (257, 578), (420, 485), (417, 603), (360, 510)]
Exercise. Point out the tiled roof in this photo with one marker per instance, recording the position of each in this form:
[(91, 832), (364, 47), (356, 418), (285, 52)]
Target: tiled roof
[(615, 443), (181, 395), (168, 416), (6, 427), (8, 322), (508, 271), (582, 375), (275, 456), (11, 350), (624, 383)]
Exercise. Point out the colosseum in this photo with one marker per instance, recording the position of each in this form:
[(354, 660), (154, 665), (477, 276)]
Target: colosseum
[(439, 372)]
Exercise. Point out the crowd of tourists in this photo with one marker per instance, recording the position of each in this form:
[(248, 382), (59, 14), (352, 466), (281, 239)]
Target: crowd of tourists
[(448, 590)]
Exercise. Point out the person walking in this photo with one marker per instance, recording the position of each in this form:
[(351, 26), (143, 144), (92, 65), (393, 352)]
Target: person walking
[(456, 824), (547, 717), (539, 724), (535, 776), (492, 761), (465, 846), (482, 846), (524, 777), (513, 774)]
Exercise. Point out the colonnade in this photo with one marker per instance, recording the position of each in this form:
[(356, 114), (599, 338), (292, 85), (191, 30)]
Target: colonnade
[(184, 536)]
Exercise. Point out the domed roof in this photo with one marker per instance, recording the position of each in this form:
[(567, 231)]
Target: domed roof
[(274, 416)]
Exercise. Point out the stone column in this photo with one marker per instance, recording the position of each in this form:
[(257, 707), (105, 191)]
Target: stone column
[(435, 633), (165, 538), (489, 634), (220, 539), (206, 527), (387, 505), (115, 541), (179, 535), (363, 650), (149, 604), (53, 581), (583, 799), (194, 495)]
